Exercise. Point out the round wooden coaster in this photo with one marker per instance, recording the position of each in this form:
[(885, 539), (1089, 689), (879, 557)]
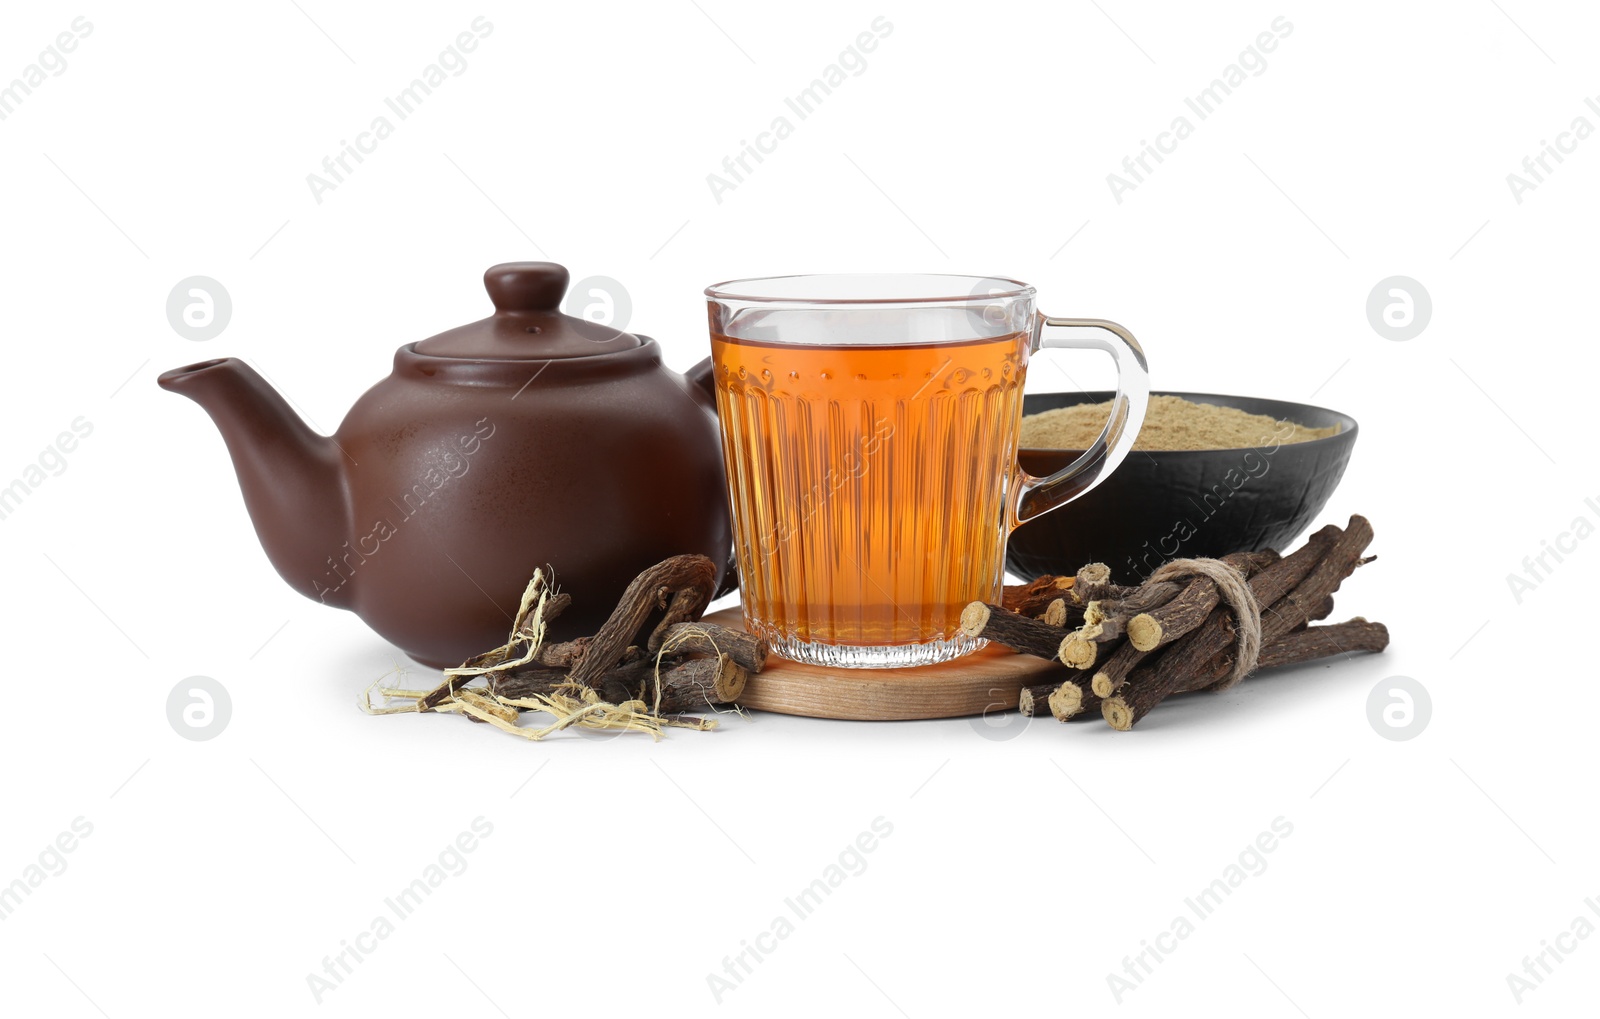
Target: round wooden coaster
[(984, 681)]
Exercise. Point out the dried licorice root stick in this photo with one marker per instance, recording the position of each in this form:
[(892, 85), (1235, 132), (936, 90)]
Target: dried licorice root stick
[(1163, 624), (1072, 699), (685, 607), (1179, 604), (1113, 672), (563, 655), (1293, 587), (1311, 599), (1078, 651), (1056, 613), (1092, 583), (1034, 597), (1034, 700), (1315, 642), (1015, 631), (1106, 614), (1139, 694), (702, 638), (1322, 611), (1190, 655), (699, 683), (1300, 645), (675, 685), (1100, 625), (1312, 594), (527, 681), (1105, 618), (598, 682), (566, 655), (642, 597)]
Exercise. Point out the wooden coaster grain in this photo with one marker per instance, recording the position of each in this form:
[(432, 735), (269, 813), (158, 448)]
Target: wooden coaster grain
[(989, 680)]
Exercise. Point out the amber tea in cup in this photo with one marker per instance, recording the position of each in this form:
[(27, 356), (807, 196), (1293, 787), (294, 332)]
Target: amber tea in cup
[(869, 429)]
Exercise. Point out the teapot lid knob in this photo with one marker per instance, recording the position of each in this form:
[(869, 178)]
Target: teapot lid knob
[(526, 286), (528, 323)]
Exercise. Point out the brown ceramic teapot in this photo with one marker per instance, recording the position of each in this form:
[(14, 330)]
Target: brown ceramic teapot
[(527, 439)]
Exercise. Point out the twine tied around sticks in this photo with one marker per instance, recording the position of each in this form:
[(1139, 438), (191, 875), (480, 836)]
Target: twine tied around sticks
[(1236, 594)]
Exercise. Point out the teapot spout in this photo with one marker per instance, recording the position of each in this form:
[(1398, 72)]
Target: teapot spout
[(293, 479)]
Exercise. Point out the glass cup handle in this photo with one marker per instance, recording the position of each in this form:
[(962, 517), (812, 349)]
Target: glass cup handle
[(1037, 496)]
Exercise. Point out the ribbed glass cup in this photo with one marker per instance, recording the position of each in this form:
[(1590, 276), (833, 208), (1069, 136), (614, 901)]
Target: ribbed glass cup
[(869, 429), (869, 452)]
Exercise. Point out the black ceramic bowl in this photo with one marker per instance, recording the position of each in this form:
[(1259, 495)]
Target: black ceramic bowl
[(1164, 505)]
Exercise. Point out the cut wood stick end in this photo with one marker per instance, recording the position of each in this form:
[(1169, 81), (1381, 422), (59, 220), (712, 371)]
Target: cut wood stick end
[(1066, 702), (1102, 685), (1077, 653), (1094, 573), (1056, 613), (1117, 714), (1090, 578), (730, 680), (974, 618), (1144, 632)]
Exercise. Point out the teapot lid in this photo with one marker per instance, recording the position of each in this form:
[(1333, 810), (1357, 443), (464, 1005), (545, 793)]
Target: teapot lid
[(527, 324)]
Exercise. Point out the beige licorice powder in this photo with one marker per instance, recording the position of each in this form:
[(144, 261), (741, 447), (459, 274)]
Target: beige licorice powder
[(1171, 423)]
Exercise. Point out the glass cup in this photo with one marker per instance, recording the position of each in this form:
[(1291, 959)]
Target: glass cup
[(869, 432)]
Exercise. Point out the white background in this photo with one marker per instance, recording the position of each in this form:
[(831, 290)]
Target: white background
[(620, 873)]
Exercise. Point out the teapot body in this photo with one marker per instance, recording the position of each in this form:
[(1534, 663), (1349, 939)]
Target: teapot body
[(464, 476), (528, 439)]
